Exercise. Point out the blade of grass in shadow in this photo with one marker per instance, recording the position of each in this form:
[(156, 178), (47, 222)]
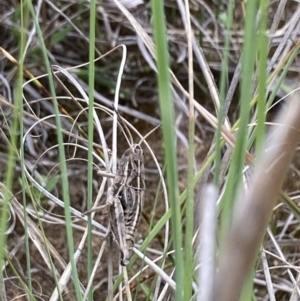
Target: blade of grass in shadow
[(188, 250), (262, 77), (223, 85), (235, 174), (9, 176), (62, 158), (24, 25), (169, 137), (90, 139)]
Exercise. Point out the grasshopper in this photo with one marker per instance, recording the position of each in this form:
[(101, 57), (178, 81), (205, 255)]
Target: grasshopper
[(126, 197), (125, 200)]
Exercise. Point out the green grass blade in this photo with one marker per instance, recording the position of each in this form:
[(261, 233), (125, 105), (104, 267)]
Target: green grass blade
[(262, 77), (189, 232), (223, 85), (12, 149), (90, 138), (235, 175), (24, 25), (168, 122), (62, 158)]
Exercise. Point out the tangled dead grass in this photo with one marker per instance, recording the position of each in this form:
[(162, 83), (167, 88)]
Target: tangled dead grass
[(66, 34)]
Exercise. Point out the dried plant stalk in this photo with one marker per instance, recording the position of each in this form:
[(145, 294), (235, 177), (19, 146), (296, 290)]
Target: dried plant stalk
[(255, 207)]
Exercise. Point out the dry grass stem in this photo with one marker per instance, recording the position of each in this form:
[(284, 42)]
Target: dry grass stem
[(255, 207), (205, 42)]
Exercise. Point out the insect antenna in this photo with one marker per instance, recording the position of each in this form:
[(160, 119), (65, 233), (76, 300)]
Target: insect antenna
[(124, 128), (148, 134)]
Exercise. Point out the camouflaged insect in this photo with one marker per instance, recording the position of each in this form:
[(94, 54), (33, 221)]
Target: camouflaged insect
[(126, 199)]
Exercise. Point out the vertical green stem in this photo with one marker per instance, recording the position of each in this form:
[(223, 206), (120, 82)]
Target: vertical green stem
[(14, 133), (90, 136), (62, 159), (189, 270), (262, 77), (169, 135), (235, 175), (223, 85), (24, 24)]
